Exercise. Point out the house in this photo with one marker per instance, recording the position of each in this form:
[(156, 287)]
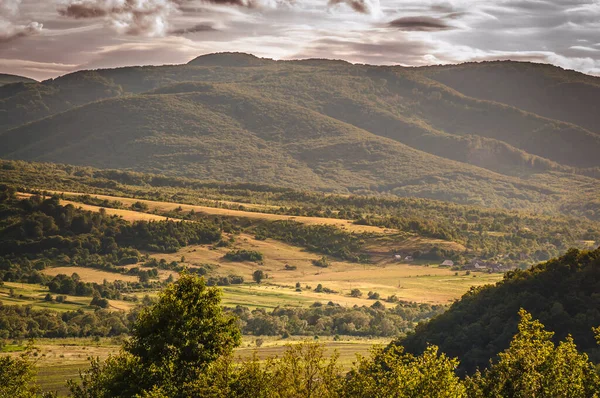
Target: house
[(397, 257), (409, 258), (479, 266), (447, 263)]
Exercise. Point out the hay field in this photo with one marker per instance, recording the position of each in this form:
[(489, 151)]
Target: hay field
[(90, 274), (409, 282), (347, 225)]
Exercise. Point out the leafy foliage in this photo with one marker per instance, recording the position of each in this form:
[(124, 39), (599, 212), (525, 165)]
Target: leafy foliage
[(534, 367), (172, 343), (17, 377), (562, 293)]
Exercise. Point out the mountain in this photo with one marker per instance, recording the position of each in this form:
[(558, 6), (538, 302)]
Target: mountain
[(321, 124), (546, 90), (562, 293), (9, 79)]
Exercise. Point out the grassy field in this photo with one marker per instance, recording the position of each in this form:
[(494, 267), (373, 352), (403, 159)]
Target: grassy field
[(411, 282), (59, 360), (159, 207), (90, 274), (33, 295)]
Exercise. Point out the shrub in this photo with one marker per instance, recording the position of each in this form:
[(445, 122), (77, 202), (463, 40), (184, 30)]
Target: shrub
[(322, 262), (244, 255)]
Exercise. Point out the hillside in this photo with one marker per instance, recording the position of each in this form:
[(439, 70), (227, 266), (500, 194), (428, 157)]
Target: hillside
[(9, 79), (542, 89), (562, 293), (318, 124)]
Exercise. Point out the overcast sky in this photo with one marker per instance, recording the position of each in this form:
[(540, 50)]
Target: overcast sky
[(48, 38)]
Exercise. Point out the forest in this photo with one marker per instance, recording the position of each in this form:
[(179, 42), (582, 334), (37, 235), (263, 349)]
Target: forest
[(562, 293)]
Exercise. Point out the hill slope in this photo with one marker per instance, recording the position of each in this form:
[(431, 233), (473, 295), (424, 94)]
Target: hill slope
[(562, 293), (317, 124), (542, 89), (9, 79)]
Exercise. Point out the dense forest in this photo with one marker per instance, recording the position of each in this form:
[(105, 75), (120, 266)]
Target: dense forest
[(562, 293), (181, 346)]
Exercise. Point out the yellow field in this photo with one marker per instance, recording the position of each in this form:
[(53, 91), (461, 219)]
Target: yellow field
[(384, 275), (409, 282), (347, 225), (90, 275)]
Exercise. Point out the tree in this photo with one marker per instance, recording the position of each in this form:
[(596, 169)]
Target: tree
[(99, 301), (393, 373), (172, 343), (533, 366), (17, 377), (303, 371), (355, 293), (258, 276)]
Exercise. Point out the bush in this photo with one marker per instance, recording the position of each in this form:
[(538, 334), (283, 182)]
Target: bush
[(356, 293), (322, 262), (373, 296), (244, 255)]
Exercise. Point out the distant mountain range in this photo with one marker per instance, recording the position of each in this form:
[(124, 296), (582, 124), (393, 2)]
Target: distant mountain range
[(502, 134)]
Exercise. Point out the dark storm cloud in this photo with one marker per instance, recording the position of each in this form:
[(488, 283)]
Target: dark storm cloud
[(193, 29), (420, 24)]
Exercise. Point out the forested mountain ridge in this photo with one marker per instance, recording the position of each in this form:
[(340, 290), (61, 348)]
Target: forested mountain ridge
[(542, 89), (321, 124), (562, 293), (10, 79)]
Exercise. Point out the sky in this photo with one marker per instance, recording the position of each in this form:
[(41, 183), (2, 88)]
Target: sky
[(43, 39)]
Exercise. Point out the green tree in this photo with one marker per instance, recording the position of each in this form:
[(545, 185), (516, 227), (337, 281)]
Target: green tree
[(258, 276), (393, 373), (533, 366), (304, 371), (172, 343), (17, 377)]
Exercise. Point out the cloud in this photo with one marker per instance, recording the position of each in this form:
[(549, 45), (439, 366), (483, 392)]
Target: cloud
[(420, 24), (361, 6), (133, 17), (203, 27), (146, 17), (9, 29)]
